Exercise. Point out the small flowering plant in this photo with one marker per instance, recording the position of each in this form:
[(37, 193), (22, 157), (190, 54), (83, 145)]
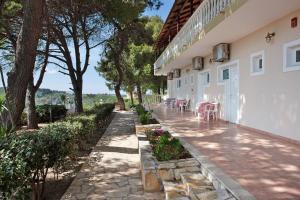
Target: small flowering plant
[(164, 146), (159, 132), (154, 135)]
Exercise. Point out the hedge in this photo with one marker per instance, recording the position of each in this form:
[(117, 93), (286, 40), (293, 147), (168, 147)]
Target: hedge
[(27, 156), (57, 112)]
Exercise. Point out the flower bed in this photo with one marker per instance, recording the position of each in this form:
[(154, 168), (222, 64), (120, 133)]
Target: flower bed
[(163, 158), (165, 147), (143, 120)]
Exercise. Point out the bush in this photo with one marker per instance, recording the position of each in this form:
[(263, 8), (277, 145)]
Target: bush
[(103, 111), (145, 118), (57, 111), (140, 109), (165, 147), (88, 123), (26, 158)]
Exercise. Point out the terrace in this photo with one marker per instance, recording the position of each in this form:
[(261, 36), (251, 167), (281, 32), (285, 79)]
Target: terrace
[(266, 166), (199, 32)]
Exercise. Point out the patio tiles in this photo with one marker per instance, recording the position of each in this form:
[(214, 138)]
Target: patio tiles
[(266, 166), (112, 171)]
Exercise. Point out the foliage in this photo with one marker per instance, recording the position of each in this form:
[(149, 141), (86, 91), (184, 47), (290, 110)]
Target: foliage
[(104, 111), (140, 109), (57, 112), (27, 157), (145, 118), (165, 147), (4, 121), (89, 122)]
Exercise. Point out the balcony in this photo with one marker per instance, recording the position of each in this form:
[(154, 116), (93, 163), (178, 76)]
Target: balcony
[(217, 21), (191, 31)]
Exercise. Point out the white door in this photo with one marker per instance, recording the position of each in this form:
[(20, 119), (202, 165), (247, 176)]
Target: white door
[(232, 94), (200, 88)]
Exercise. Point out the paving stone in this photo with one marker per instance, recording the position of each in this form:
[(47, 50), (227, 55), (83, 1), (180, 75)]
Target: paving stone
[(179, 171), (167, 165), (212, 195), (112, 172), (188, 163), (174, 190)]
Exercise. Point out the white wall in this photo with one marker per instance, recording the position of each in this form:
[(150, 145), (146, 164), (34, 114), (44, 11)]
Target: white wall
[(269, 102)]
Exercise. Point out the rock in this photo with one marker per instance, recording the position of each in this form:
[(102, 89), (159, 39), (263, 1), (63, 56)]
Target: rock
[(166, 175), (179, 171), (212, 195), (166, 165), (188, 163), (174, 191), (151, 182), (194, 181)]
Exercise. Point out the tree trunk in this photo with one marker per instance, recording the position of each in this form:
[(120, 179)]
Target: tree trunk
[(139, 93), (78, 96), (131, 97), (32, 121), (27, 42), (119, 97)]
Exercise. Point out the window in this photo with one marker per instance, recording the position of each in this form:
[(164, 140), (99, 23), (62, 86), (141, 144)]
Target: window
[(225, 74), (257, 63), (291, 56), (298, 56), (224, 71), (178, 83)]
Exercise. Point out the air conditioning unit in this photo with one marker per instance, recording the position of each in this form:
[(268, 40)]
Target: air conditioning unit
[(221, 52), (177, 73), (170, 76), (198, 63)]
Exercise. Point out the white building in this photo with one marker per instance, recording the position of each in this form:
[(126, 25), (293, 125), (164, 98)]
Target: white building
[(258, 82)]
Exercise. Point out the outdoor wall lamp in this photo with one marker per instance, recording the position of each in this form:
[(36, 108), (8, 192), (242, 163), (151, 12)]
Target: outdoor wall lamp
[(269, 37)]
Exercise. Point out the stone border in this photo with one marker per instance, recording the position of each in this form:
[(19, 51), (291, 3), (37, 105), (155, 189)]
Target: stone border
[(140, 128), (219, 178), (155, 172)]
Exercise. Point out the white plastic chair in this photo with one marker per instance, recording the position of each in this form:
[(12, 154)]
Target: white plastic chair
[(212, 110), (185, 106)]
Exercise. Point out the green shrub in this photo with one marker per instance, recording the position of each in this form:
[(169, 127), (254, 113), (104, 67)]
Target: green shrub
[(103, 112), (165, 147), (57, 112), (140, 109), (86, 125), (145, 118), (26, 158)]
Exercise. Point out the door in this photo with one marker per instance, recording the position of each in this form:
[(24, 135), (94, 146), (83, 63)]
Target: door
[(232, 93), (200, 88)]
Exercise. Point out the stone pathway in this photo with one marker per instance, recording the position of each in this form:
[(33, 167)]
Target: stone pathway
[(112, 171)]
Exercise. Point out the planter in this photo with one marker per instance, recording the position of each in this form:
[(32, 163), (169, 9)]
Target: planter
[(140, 128), (154, 172)]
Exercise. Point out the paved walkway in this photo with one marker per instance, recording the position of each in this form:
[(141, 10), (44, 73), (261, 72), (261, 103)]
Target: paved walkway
[(268, 167), (112, 172)]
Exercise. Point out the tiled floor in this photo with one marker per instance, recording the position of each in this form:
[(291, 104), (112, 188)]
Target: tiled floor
[(268, 167)]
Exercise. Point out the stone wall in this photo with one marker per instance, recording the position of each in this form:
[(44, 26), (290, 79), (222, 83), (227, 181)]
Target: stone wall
[(154, 171)]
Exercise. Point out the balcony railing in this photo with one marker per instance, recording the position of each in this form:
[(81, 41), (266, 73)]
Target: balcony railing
[(189, 33)]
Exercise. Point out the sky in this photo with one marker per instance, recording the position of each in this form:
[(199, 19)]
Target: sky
[(92, 82)]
